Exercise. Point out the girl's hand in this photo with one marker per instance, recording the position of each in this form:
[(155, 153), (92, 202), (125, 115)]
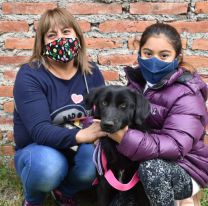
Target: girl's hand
[(90, 134), (118, 136)]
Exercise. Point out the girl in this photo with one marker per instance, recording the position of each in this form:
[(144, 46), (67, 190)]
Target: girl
[(49, 110), (173, 157)]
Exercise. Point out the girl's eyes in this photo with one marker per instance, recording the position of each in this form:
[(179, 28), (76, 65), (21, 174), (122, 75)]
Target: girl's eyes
[(164, 56), (148, 54)]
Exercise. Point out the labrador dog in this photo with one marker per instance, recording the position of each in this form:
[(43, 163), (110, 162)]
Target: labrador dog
[(117, 107)]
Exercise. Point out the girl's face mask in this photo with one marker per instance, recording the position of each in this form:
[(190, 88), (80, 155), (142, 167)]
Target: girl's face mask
[(153, 69), (62, 50)]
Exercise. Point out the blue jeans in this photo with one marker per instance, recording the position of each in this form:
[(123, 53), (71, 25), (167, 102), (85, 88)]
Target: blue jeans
[(43, 169)]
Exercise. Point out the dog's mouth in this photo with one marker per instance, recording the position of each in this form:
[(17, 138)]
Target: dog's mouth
[(109, 126)]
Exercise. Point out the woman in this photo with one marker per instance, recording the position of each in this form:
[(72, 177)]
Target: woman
[(173, 157), (50, 115)]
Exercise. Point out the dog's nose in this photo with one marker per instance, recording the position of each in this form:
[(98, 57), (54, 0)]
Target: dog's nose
[(107, 125)]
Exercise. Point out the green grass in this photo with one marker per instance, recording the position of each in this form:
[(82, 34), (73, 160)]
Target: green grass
[(204, 201), (11, 192)]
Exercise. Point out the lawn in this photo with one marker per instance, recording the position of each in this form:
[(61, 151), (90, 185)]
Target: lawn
[(11, 192)]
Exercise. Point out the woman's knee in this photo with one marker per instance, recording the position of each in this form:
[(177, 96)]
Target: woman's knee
[(44, 168), (84, 170), (87, 174)]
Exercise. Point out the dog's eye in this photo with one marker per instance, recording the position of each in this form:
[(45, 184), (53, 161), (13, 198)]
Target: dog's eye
[(104, 103), (122, 106)]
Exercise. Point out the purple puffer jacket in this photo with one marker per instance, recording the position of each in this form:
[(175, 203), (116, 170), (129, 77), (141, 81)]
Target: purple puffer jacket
[(178, 119)]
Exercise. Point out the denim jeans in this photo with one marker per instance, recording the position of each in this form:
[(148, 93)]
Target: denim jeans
[(43, 169)]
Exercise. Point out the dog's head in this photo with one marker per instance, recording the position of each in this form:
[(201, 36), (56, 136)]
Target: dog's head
[(117, 107)]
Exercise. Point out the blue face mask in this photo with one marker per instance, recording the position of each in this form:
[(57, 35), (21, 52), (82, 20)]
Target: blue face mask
[(153, 69)]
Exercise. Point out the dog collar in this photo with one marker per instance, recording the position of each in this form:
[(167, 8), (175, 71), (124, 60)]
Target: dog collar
[(108, 174)]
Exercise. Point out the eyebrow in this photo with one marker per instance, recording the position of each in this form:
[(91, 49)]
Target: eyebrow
[(165, 51), (53, 30), (160, 51)]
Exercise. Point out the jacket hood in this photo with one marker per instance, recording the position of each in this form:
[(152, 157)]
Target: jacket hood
[(197, 84)]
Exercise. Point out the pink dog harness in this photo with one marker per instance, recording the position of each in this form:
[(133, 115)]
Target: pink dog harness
[(100, 161)]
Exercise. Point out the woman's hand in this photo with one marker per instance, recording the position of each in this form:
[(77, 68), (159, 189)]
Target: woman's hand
[(90, 134), (118, 136)]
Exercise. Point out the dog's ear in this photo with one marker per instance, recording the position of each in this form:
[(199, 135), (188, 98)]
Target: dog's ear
[(91, 99), (142, 109)]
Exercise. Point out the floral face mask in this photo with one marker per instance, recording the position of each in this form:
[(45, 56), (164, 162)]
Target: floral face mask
[(62, 49)]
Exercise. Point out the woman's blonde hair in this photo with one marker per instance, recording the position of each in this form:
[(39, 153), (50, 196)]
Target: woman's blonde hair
[(50, 19)]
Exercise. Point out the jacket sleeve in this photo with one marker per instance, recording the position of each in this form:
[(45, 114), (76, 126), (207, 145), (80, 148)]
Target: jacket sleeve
[(184, 125), (32, 107)]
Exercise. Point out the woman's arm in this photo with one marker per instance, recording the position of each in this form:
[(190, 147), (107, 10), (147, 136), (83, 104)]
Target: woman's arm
[(33, 109)]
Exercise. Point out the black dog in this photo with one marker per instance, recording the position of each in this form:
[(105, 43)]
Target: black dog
[(117, 107)]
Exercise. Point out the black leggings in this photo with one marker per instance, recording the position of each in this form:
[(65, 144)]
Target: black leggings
[(164, 182)]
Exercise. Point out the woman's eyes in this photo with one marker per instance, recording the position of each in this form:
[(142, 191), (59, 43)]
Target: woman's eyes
[(51, 35), (66, 31)]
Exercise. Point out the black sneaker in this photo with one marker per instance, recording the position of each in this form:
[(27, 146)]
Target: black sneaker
[(61, 200), (26, 203)]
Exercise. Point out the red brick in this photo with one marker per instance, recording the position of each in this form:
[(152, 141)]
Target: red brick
[(110, 75), (9, 107), (85, 25), (9, 75), (191, 27), (184, 43), (103, 43), (6, 91), (19, 43), (158, 8), (1, 135), (124, 26), (10, 136), (26, 8), (13, 59), (94, 8), (201, 7), (117, 59), (197, 61), (206, 139), (201, 44), (14, 26), (6, 120), (7, 150), (133, 43)]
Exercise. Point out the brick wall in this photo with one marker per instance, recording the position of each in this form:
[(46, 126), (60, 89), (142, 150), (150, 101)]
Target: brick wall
[(112, 32)]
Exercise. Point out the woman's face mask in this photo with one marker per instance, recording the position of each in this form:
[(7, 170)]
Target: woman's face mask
[(62, 50), (153, 69)]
